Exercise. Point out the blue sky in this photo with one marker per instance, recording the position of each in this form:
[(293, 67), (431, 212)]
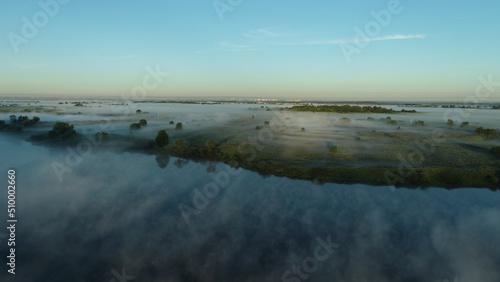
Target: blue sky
[(427, 50)]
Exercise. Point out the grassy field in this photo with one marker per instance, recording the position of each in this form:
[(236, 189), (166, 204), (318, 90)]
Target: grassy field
[(323, 147)]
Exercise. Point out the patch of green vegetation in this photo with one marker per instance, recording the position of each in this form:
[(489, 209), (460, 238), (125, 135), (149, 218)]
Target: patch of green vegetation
[(62, 130), (135, 126), (18, 123), (487, 132), (180, 147), (333, 149), (10, 128), (345, 109)]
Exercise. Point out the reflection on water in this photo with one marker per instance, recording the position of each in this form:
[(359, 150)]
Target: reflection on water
[(120, 212)]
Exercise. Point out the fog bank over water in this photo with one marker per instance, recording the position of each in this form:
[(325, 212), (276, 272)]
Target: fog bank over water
[(117, 211)]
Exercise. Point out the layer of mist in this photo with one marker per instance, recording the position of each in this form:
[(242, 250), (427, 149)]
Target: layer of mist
[(115, 211)]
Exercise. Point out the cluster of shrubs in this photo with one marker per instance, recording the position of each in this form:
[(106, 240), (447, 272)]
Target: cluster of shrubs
[(450, 123), (62, 130), (17, 123), (179, 147), (137, 125), (487, 132), (178, 125), (345, 109)]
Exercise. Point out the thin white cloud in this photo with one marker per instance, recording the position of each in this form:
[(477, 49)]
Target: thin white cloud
[(258, 39), (264, 33), (230, 46), (353, 41)]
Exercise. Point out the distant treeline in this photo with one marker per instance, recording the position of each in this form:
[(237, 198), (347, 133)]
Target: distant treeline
[(347, 109)]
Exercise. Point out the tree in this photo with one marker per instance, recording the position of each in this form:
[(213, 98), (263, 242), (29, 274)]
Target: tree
[(138, 111), (178, 125), (36, 119), (62, 127), (449, 122), (28, 122), (162, 138), (62, 130), (135, 125), (171, 122), (143, 122), (465, 124)]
